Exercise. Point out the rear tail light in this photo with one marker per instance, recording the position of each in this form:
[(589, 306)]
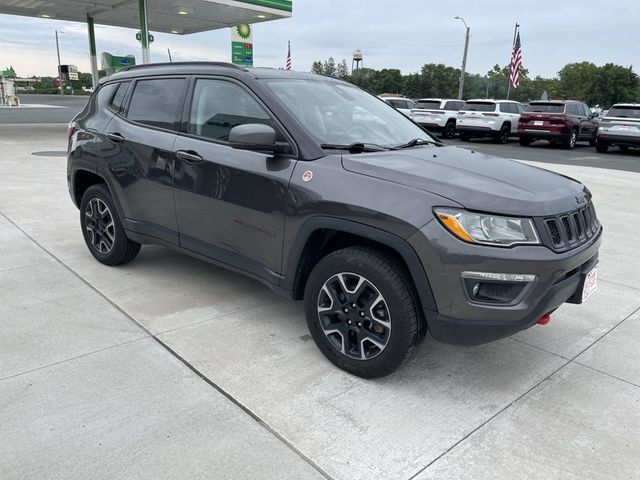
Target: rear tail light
[(461, 113), (71, 128), (490, 115), (558, 120)]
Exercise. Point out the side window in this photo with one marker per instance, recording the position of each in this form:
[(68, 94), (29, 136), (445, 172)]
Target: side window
[(105, 93), (572, 109), (587, 110), (504, 108), (219, 105), (519, 108), (116, 101), (451, 106), (155, 102)]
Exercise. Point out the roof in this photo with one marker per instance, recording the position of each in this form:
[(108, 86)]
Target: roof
[(633, 105), (490, 100), (563, 102), (439, 100), (163, 15), (191, 68)]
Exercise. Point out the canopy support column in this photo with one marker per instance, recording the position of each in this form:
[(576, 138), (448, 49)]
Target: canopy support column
[(92, 51), (144, 30)]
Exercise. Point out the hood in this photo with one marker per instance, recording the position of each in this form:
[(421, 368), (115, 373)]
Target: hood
[(474, 180)]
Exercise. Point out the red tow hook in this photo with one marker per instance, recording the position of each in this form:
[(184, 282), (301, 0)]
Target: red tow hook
[(544, 319)]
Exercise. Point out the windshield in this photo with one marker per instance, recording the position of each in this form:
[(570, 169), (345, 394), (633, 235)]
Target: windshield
[(545, 107), (479, 106), (341, 114), (622, 112)]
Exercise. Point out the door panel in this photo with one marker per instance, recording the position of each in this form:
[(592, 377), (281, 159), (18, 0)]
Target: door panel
[(231, 205), (141, 169)]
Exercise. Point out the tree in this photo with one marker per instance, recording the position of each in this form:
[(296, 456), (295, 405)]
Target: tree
[(575, 80), (342, 70), (329, 67), (388, 81), (612, 84)]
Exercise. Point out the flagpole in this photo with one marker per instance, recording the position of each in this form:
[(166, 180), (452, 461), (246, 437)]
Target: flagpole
[(515, 33)]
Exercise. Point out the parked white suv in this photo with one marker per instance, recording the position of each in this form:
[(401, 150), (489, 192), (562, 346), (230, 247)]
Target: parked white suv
[(495, 118), (401, 104), (437, 114)]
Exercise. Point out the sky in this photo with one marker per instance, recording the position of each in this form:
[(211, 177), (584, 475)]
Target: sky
[(406, 36)]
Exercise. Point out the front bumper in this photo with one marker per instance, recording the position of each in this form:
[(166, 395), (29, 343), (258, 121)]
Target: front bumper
[(462, 321)]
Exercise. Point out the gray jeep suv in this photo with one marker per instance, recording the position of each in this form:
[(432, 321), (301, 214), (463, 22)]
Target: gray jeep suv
[(325, 193)]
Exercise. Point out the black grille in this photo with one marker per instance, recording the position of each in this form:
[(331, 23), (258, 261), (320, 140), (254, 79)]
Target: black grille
[(572, 229)]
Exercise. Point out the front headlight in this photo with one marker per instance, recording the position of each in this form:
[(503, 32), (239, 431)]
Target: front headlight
[(488, 229)]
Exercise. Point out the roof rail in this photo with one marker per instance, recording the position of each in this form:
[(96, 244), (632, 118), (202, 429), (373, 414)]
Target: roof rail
[(163, 64)]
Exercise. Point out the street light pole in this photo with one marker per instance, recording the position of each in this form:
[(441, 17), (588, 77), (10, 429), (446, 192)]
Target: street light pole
[(59, 65), (464, 57)]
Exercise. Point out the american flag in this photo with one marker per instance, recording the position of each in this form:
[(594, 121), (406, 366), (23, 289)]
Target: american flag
[(287, 65), (516, 63)]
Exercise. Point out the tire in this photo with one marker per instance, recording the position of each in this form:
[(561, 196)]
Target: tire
[(525, 142), (465, 137), (602, 147), (449, 130), (341, 290), (592, 142), (102, 229), (623, 148), (503, 135), (571, 140)]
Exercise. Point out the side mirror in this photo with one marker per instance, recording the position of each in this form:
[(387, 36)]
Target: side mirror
[(258, 137)]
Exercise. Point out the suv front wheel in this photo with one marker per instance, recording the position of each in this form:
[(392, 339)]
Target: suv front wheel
[(102, 229), (362, 313)]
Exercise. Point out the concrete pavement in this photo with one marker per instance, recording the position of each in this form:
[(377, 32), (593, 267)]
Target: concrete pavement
[(171, 368)]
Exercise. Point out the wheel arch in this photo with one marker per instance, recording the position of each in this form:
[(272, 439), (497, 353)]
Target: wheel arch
[(82, 180), (320, 236)]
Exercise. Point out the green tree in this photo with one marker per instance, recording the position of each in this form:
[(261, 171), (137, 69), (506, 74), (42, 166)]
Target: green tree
[(388, 80), (612, 84), (342, 70), (329, 67), (575, 80)]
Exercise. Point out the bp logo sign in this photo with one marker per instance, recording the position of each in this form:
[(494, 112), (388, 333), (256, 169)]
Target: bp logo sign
[(244, 31)]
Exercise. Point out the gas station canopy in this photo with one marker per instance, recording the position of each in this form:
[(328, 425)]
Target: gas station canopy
[(170, 16)]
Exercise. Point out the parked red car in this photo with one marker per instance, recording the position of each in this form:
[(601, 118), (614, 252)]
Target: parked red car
[(561, 122)]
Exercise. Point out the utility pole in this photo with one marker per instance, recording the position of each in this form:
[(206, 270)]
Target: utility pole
[(464, 57), (59, 65)]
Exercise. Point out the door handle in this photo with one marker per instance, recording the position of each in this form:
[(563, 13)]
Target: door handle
[(116, 137), (189, 156)]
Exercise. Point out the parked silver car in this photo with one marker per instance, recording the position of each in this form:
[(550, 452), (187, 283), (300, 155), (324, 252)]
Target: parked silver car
[(620, 127)]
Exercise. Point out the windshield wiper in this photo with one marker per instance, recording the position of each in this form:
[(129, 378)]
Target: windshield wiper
[(414, 143), (357, 147)]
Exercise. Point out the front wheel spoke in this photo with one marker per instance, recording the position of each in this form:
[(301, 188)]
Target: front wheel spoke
[(333, 298), (333, 333), (366, 340)]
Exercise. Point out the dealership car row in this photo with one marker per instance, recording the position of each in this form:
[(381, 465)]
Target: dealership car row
[(560, 122)]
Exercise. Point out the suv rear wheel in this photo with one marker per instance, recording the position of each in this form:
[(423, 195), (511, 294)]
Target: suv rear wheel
[(449, 129), (503, 135), (362, 313), (102, 229), (571, 140), (601, 147)]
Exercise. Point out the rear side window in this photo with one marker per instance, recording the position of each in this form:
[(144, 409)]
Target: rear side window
[(624, 112), (454, 106), (118, 98), (428, 104), (155, 102), (506, 108), (480, 106), (218, 106), (572, 109)]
